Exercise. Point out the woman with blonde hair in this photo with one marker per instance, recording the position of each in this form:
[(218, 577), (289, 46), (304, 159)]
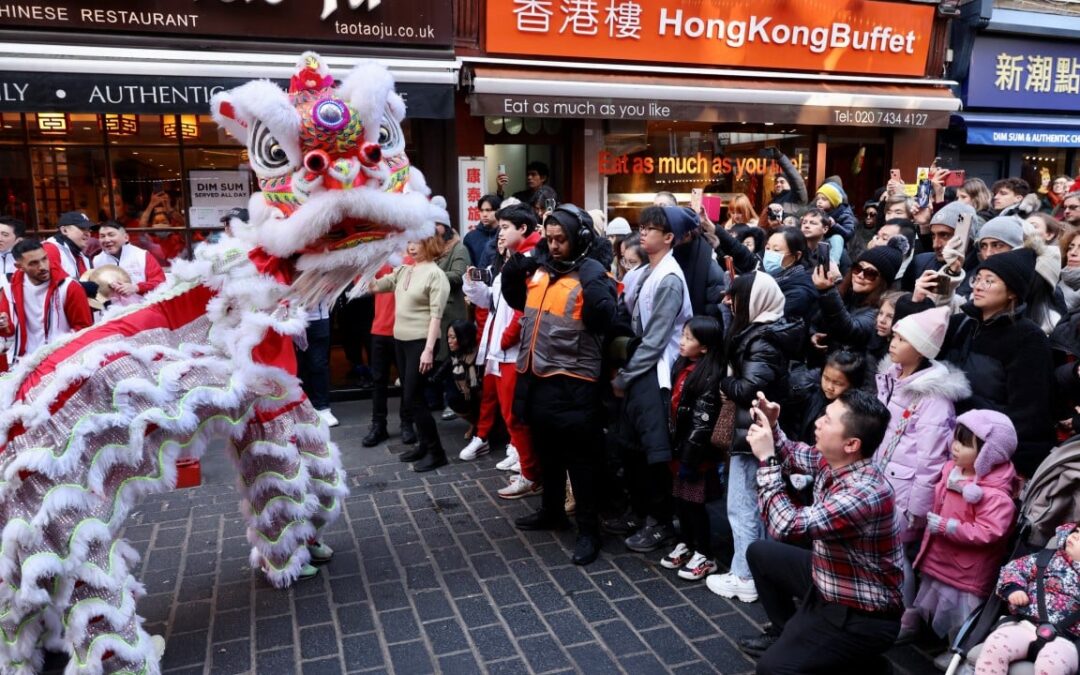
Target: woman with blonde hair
[(421, 290), (976, 194)]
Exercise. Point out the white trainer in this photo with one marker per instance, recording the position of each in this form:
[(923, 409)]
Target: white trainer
[(519, 487), (476, 447), (730, 586), (510, 460), (328, 417)]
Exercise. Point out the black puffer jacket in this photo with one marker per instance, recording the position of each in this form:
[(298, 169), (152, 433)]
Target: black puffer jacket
[(759, 359), (846, 324), (1007, 360), (800, 294), (692, 427)]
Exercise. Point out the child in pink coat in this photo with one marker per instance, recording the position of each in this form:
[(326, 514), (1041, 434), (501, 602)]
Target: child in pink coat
[(969, 522)]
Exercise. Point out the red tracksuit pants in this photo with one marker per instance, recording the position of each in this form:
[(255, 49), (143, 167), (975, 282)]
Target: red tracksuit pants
[(498, 395)]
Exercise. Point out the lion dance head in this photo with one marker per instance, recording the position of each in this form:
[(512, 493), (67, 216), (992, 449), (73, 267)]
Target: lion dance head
[(338, 194)]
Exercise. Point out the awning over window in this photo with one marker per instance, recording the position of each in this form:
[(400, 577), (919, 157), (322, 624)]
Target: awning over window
[(72, 78), (599, 95), (1032, 131)]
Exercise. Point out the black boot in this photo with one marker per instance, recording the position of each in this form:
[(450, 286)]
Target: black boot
[(586, 550), (408, 433), (415, 454), (435, 458), (375, 435), (542, 520)]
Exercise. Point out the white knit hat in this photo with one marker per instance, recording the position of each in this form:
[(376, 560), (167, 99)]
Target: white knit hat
[(618, 226), (925, 330)]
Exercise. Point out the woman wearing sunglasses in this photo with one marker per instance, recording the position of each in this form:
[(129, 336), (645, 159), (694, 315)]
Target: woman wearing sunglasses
[(847, 314)]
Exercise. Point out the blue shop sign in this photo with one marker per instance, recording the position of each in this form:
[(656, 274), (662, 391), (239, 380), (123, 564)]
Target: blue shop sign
[(1028, 137), (1024, 74)]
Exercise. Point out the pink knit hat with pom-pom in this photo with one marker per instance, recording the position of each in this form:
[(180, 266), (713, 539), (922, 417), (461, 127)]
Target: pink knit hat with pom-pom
[(998, 436)]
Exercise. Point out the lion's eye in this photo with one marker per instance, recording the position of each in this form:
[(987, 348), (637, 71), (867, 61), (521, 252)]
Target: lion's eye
[(266, 150)]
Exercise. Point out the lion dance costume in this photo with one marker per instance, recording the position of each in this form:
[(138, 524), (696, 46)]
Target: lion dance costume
[(90, 424)]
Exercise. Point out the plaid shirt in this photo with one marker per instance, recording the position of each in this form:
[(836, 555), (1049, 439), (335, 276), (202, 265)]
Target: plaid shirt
[(856, 539)]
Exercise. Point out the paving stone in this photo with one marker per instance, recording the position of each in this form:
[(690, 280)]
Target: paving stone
[(619, 638), (669, 646), (614, 586), (274, 632), (522, 620), (432, 605), (689, 621), (725, 656), (232, 657), (362, 651), (312, 610), (511, 667), (411, 657), (355, 619), (639, 613), (476, 611), (445, 636), (348, 589), (458, 664), (317, 641), (492, 642), (388, 596), (399, 626), (643, 664), (191, 616), (505, 591), (592, 659), (230, 626), (543, 653), (185, 649), (547, 597), (329, 666), (569, 628), (593, 606)]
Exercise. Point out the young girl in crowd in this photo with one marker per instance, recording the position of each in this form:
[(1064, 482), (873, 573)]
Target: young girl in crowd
[(1019, 585), (921, 394), (695, 402), (460, 374), (843, 370), (879, 345), (759, 346), (969, 521)]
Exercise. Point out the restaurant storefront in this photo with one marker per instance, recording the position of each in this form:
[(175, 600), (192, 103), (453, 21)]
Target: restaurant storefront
[(731, 85), (105, 110), (1021, 91)]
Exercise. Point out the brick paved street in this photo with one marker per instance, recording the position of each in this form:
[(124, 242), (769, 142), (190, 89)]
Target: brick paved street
[(429, 576)]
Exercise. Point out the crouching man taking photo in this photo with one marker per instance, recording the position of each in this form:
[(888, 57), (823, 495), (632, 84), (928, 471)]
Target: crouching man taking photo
[(848, 585)]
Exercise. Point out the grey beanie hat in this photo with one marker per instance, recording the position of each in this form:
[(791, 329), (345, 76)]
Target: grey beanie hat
[(1008, 229), (949, 214)]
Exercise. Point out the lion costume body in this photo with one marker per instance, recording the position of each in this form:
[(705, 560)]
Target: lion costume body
[(90, 424)]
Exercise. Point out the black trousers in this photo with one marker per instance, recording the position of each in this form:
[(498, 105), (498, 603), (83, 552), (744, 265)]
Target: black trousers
[(695, 530), (354, 319), (567, 444), (383, 355), (818, 636), (646, 441), (313, 364), (412, 393)]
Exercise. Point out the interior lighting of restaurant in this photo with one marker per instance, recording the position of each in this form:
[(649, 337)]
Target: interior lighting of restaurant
[(122, 125), (189, 127), (52, 123)]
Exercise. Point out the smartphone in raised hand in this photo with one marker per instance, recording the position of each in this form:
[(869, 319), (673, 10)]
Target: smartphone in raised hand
[(695, 199), (824, 257)]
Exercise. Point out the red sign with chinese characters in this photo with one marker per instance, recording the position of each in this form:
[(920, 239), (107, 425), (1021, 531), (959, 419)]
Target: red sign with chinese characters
[(858, 36), (472, 174)]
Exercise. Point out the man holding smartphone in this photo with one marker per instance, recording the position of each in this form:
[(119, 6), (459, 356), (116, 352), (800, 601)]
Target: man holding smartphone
[(850, 581), (942, 229)]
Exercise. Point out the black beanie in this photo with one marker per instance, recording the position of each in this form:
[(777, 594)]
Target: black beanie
[(888, 258), (1016, 268)]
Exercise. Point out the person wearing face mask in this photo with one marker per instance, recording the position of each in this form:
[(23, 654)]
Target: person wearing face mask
[(65, 248), (786, 259)]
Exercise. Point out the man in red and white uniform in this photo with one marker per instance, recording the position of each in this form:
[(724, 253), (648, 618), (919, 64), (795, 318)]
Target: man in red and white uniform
[(117, 249), (42, 305), (65, 248)]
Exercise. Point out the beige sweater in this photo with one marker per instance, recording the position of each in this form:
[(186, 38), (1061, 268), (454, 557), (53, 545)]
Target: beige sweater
[(420, 293)]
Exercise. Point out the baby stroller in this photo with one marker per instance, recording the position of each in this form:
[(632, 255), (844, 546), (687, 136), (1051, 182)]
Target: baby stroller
[(1050, 498)]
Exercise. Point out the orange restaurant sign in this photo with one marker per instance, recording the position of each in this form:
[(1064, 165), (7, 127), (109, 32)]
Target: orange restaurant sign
[(853, 36)]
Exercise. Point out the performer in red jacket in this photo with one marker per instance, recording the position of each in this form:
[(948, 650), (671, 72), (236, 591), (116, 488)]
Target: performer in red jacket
[(116, 249), (44, 303)]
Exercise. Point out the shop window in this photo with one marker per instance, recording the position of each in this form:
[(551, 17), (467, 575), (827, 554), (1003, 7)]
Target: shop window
[(207, 132), (16, 188), (66, 128), (142, 130), (218, 179), (67, 178), (11, 128), (640, 159), (149, 189)]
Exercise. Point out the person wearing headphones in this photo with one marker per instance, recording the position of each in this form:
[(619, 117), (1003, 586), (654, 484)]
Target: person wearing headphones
[(569, 302)]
